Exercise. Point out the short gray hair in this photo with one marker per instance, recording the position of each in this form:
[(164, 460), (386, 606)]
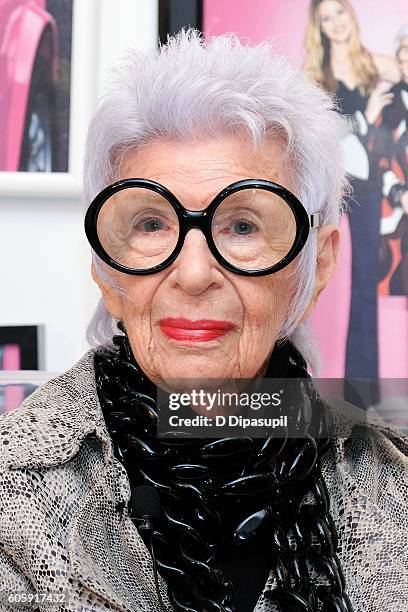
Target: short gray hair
[(192, 86)]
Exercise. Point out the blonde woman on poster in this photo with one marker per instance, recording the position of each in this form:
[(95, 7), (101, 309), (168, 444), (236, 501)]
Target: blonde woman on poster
[(360, 80)]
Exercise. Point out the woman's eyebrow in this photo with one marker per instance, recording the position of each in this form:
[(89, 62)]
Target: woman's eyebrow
[(143, 193)]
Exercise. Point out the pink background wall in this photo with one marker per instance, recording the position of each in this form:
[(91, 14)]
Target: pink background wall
[(284, 21)]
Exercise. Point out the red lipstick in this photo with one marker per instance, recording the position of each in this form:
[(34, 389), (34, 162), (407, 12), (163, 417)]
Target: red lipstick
[(194, 331)]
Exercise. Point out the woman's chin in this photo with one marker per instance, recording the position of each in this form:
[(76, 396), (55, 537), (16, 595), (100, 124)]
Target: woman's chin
[(341, 37), (205, 353), (199, 367)]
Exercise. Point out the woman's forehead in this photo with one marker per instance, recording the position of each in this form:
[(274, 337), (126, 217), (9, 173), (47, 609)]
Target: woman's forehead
[(200, 169), (328, 7)]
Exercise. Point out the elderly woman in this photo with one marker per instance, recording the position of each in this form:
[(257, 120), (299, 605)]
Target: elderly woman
[(213, 179)]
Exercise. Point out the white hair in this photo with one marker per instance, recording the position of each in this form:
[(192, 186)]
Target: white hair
[(401, 34), (194, 87)]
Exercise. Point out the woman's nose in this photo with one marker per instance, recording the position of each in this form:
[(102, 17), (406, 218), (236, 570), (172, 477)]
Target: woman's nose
[(195, 267)]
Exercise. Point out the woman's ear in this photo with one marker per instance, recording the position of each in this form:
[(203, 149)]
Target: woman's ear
[(113, 301), (328, 246)]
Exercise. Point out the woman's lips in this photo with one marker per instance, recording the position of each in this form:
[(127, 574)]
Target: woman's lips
[(195, 331)]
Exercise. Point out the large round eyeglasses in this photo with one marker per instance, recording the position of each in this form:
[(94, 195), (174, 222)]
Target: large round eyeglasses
[(252, 227)]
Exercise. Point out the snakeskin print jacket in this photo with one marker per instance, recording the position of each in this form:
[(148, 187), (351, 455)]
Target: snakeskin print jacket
[(66, 537)]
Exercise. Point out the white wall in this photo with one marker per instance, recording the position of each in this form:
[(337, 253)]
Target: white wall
[(44, 255)]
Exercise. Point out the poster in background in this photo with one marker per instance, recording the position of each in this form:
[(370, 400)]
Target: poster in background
[(361, 320), (35, 84), (21, 353)]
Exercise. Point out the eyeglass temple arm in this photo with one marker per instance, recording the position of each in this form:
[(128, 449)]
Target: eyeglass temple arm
[(314, 220)]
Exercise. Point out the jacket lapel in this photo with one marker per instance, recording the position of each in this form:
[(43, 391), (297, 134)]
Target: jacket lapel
[(108, 556), (371, 539)]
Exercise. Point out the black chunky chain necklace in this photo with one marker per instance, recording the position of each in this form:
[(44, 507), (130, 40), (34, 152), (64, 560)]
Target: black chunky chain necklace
[(228, 492)]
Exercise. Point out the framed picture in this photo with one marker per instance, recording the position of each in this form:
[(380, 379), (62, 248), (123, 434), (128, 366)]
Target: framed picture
[(45, 108), (35, 82), (22, 347), (92, 36), (22, 361)]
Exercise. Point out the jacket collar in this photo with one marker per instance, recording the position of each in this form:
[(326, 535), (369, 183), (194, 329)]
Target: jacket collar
[(58, 416), (55, 419)]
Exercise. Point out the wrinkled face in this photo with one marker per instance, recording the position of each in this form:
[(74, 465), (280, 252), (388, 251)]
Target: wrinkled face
[(335, 21), (240, 317)]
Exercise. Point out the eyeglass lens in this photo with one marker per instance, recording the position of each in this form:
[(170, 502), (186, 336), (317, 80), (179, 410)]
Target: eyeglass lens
[(252, 229)]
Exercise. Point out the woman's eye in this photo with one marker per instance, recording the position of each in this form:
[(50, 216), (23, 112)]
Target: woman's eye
[(150, 225), (241, 227)]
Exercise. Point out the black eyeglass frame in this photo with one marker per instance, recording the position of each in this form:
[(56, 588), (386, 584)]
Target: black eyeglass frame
[(201, 219)]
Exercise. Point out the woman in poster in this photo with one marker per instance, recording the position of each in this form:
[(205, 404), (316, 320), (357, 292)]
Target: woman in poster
[(360, 80), (395, 120)]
